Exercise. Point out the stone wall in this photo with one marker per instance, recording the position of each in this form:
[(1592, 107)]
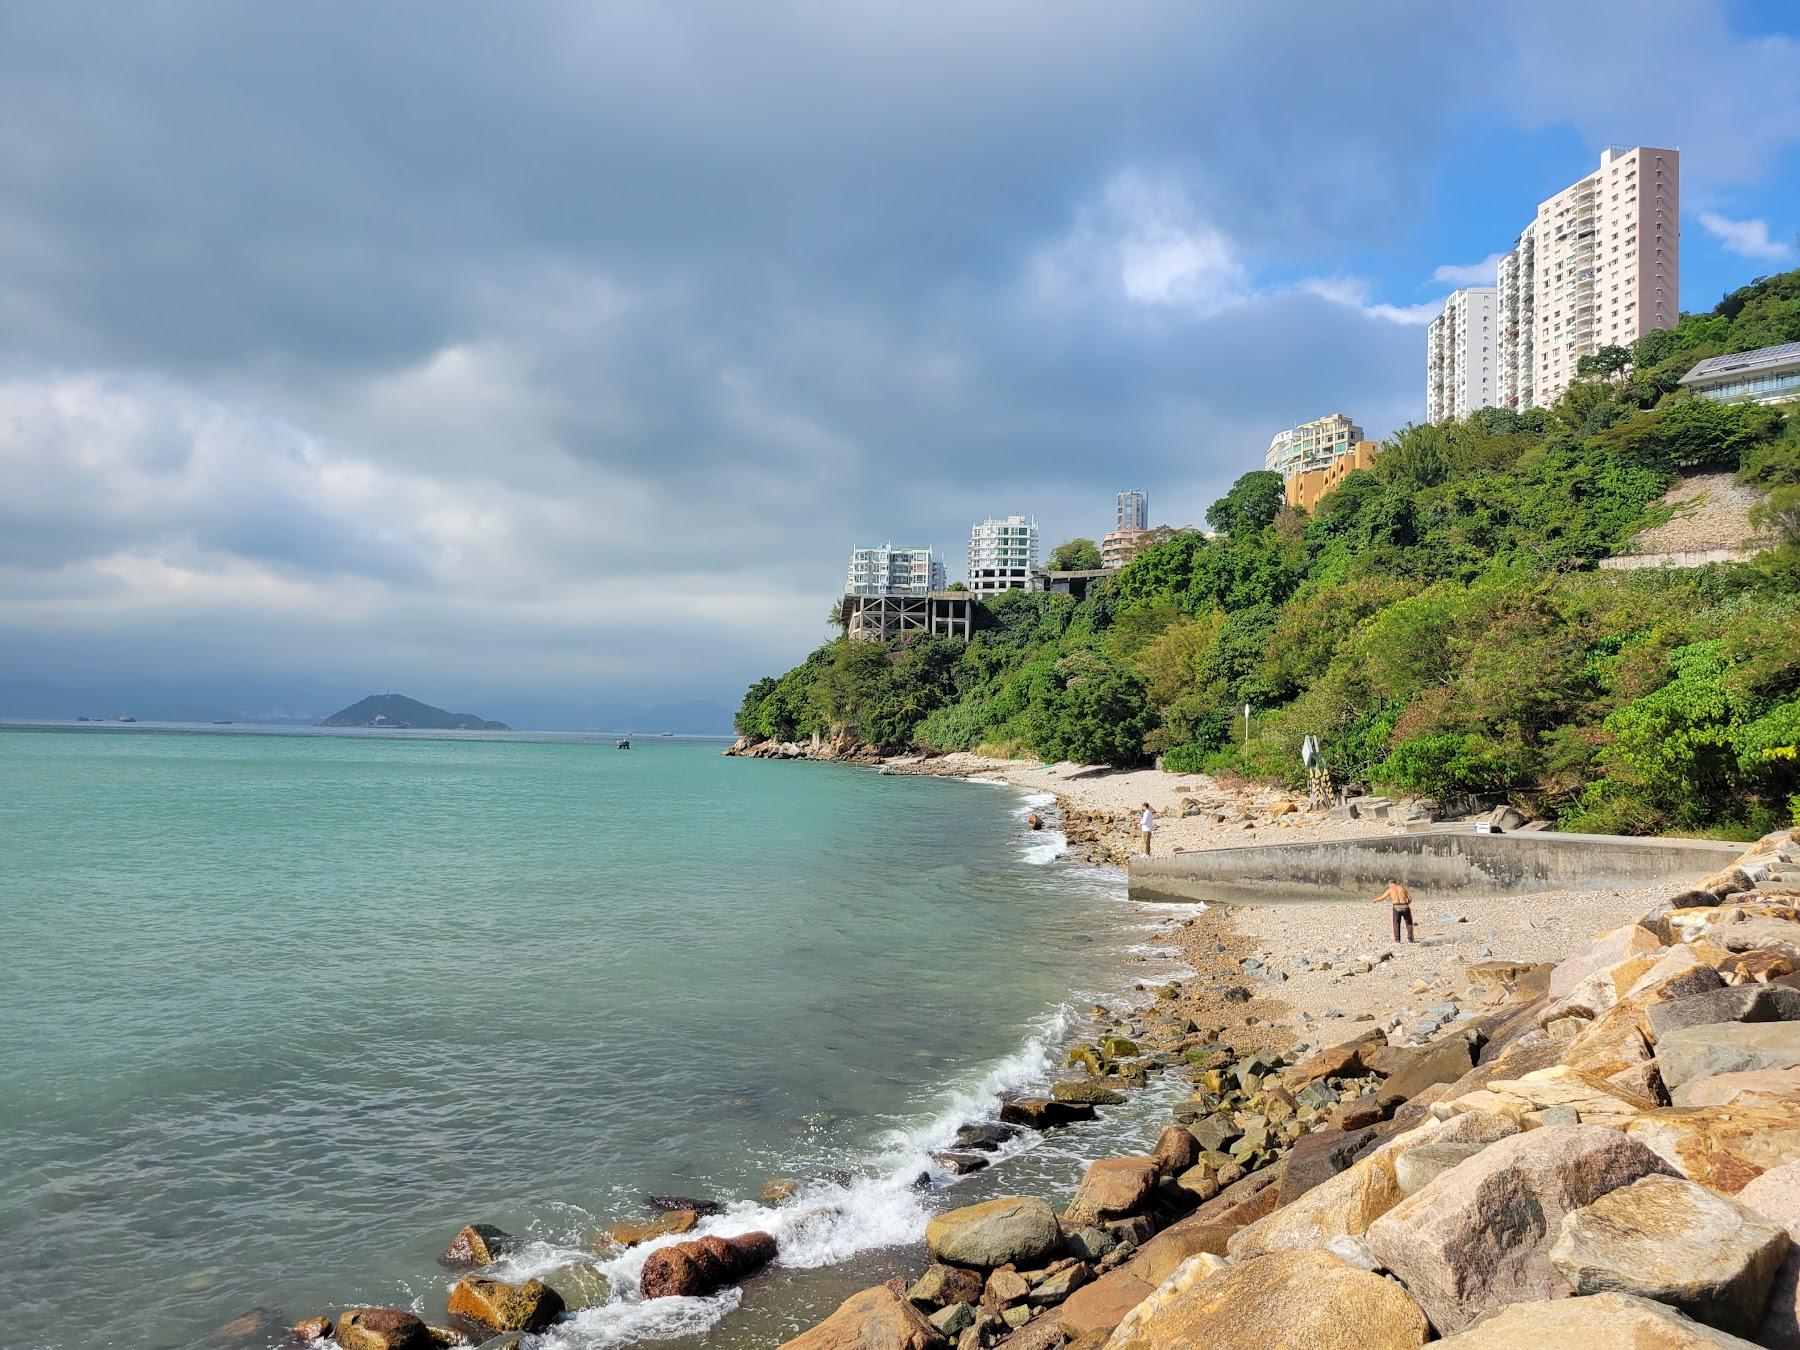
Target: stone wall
[(1431, 863)]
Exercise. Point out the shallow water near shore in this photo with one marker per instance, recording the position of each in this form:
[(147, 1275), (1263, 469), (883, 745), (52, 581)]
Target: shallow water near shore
[(285, 1011)]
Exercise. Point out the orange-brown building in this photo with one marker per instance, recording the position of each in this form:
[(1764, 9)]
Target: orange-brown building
[(1305, 489)]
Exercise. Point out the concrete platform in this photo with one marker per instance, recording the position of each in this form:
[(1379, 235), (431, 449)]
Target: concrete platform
[(1433, 863)]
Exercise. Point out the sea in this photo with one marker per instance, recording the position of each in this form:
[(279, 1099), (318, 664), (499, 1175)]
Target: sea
[(282, 1011)]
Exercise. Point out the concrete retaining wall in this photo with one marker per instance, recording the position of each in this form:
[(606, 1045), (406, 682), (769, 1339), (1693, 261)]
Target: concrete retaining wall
[(1699, 557), (1431, 863)]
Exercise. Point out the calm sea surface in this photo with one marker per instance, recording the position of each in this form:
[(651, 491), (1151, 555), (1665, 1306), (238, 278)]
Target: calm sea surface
[(282, 1012)]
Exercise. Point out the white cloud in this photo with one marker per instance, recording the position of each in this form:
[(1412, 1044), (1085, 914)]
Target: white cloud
[(1469, 274), (1354, 293), (1746, 238), (1142, 241)]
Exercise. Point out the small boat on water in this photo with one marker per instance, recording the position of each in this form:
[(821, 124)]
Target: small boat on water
[(126, 719), (623, 745)]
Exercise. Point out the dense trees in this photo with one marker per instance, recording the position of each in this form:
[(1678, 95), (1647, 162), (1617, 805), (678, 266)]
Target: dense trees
[(1077, 555), (1437, 623)]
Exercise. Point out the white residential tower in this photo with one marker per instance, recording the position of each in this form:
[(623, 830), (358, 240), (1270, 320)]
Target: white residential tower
[(1460, 356)]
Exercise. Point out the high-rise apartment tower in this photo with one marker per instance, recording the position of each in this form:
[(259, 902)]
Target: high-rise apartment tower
[(1460, 356)]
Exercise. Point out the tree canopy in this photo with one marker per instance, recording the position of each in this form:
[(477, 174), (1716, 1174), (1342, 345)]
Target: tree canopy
[(1075, 555)]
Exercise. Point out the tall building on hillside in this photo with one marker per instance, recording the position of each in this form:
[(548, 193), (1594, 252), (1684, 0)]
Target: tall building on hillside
[(1003, 556), (1459, 356), (1134, 511), (1515, 309), (1603, 259), (887, 570), (1311, 445), (1305, 489)]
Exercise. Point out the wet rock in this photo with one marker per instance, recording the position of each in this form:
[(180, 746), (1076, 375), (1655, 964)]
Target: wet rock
[(1676, 1242), (382, 1329), (960, 1164), (1093, 1092), (478, 1244), (778, 1190), (1010, 1229), (1615, 1321), (1479, 1235), (985, 1137), (1301, 1298), (875, 1319), (635, 1234), (312, 1329), (941, 1284), (705, 1265), (671, 1203), (1041, 1113), (500, 1306), (259, 1325), (1723, 1147), (1111, 1189), (580, 1286)]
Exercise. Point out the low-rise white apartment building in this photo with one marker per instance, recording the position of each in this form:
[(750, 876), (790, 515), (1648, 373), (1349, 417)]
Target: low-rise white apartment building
[(1003, 556), (1312, 445), (887, 570), (1460, 355)]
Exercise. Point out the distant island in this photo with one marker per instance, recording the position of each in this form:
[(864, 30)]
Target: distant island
[(397, 710)]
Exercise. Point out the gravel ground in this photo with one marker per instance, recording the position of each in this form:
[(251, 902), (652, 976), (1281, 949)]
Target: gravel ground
[(1712, 510)]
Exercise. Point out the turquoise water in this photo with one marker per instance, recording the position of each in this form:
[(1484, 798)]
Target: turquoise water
[(284, 1011)]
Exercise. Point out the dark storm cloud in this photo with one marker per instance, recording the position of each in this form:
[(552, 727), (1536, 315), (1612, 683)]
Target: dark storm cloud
[(370, 326)]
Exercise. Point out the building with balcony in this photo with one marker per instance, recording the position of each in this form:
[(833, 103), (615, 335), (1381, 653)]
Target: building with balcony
[(1460, 356), (1134, 511), (1606, 261), (1003, 556), (1515, 309), (1766, 375), (1311, 445), (886, 570), (1305, 489), (1121, 546)]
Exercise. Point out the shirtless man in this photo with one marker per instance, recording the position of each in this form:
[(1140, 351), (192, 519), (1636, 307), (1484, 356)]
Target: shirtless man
[(1400, 902)]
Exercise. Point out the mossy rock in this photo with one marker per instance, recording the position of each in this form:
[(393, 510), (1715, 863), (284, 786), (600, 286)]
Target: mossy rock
[(1090, 1091), (1088, 1057), (1119, 1047)]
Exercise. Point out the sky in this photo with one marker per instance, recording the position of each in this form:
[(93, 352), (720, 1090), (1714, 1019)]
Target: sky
[(565, 349)]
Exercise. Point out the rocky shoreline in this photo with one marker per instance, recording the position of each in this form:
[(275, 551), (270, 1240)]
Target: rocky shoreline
[(1604, 1149)]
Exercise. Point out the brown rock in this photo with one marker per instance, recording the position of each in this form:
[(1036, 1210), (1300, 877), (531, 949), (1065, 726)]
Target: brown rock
[(705, 1265), (1318, 1157), (1676, 1242), (635, 1234), (1723, 1147), (382, 1329), (1111, 1189), (942, 1285), (1095, 1309), (1343, 1060), (499, 1306), (1479, 1235), (1776, 1195), (1302, 1298), (1526, 1099), (778, 1190), (1043, 1113), (1004, 1288), (312, 1329), (1176, 1150), (875, 1319), (1612, 1321), (1008, 1230), (1755, 1087), (478, 1244)]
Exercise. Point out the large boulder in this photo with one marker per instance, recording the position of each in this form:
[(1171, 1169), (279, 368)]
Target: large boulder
[(1776, 1195), (580, 1285), (1723, 1147), (1346, 1204), (1013, 1229), (478, 1244), (705, 1265), (500, 1306), (1614, 1321), (1526, 1099), (382, 1329), (1676, 1242), (1176, 1150), (1343, 1060), (1727, 1047), (1111, 1189), (941, 1285), (1759, 1087), (1092, 1311), (633, 1234), (1480, 1234), (1319, 1156), (1043, 1113), (1599, 969), (1736, 1003), (875, 1319), (1412, 1069), (1300, 1298)]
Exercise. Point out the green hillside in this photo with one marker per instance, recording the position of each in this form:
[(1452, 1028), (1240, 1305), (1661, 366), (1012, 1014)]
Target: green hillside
[(1438, 624), (398, 709)]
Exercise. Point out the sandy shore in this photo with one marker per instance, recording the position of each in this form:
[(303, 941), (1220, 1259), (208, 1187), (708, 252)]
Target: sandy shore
[(1334, 962)]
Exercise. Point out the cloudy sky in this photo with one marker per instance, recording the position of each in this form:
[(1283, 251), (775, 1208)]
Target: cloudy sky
[(565, 349)]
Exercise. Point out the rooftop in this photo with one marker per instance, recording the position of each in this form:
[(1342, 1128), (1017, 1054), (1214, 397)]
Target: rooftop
[(1744, 363)]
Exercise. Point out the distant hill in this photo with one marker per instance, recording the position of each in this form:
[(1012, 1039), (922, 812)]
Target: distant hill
[(399, 710)]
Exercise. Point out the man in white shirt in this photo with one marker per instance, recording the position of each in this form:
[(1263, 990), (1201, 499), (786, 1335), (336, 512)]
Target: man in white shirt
[(1147, 826)]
